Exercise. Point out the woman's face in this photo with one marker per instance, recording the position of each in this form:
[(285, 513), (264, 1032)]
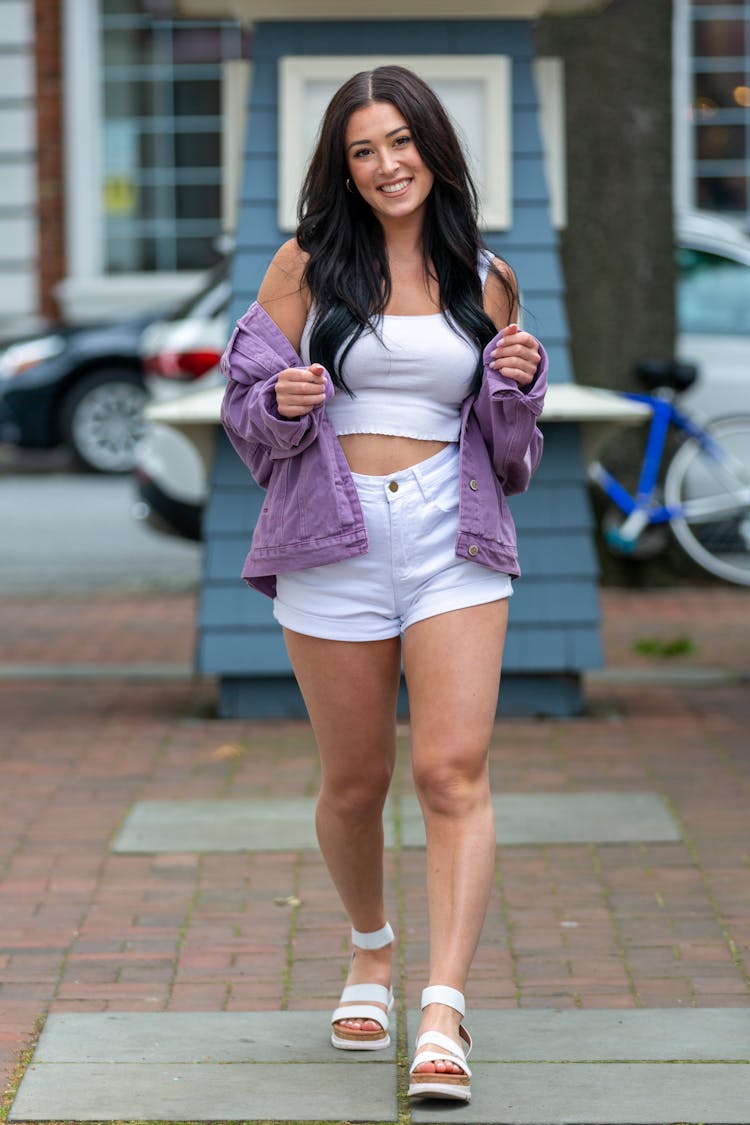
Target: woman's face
[(384, 163)]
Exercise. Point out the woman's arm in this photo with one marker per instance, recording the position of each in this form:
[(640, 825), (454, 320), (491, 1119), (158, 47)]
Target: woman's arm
[(512, 393), (283, 293), (516, 355), (272, 404)]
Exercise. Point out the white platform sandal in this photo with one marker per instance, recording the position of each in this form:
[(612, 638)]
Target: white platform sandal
[(454, 1087), (358, 1002)]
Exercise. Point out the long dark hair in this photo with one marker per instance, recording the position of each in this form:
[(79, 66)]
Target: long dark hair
[(347, 270)]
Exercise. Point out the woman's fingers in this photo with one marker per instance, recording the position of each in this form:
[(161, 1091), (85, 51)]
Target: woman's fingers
[(516, 356), (299, 390)]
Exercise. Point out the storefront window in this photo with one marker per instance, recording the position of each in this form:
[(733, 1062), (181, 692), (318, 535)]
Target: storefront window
[(161, 143), (720, 106)]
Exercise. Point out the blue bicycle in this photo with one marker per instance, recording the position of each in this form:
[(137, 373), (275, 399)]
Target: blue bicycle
[(706, 491)]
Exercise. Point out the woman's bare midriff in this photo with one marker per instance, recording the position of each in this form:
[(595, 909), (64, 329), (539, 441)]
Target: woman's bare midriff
[(377, 455)]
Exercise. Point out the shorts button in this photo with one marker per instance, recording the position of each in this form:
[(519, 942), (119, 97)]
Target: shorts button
[(473, 550), (393, 486), (473, 485)]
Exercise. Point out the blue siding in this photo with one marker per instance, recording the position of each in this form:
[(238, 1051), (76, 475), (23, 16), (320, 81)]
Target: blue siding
[(554, 632)]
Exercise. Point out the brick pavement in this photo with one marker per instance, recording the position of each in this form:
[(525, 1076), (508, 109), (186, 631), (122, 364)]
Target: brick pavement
[(152, 628), (615, 926)]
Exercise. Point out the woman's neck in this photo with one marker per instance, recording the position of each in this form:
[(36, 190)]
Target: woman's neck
[(403, 239)]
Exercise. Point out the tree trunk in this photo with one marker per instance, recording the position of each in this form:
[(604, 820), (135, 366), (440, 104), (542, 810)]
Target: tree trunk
[(617, 248)]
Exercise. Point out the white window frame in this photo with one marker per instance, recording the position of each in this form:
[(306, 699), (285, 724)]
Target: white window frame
[(87, 292), (82, 116), (549, 78), (492, 163), (235, 86), (683, 136)]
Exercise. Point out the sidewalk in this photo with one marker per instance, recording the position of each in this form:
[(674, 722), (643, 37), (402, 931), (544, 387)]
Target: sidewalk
[(646, 923)]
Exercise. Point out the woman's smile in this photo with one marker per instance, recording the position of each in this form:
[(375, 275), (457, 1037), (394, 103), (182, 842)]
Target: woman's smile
[(392, 189)]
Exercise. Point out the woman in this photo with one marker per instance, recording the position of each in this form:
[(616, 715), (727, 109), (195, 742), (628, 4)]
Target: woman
[(382, 395)]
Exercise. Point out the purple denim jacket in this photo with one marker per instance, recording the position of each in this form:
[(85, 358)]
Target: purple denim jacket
[(312, 513)]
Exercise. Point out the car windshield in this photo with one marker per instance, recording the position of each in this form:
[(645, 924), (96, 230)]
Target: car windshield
[(713, 293)]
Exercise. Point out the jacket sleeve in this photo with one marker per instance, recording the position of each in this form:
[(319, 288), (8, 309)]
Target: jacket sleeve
[(251, 363), (507, 417)]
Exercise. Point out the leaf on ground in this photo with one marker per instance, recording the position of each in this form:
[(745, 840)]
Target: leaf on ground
[(288, 900), (227, 752)]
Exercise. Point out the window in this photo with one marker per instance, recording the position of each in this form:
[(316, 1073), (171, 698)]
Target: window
[(475, 90), (713, 294), (161, 136), (718, 41)]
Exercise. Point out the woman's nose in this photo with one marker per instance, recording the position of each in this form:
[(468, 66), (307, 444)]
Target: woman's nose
[(388, 161)]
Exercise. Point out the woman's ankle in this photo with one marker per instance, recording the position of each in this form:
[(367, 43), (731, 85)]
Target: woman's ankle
[(372, 966)]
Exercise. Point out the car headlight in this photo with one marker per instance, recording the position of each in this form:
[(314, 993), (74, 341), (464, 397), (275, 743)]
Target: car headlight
[(17, 358)]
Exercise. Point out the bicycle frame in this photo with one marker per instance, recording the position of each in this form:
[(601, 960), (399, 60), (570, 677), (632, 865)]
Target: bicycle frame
[(641, 510)]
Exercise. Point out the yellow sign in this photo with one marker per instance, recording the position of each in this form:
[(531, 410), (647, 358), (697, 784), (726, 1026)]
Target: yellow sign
[(120, 195)]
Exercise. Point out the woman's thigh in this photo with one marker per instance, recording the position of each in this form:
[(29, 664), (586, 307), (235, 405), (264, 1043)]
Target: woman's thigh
[(452, 664), (350, 690)]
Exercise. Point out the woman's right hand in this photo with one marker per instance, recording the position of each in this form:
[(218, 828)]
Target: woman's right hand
[(299, 390)]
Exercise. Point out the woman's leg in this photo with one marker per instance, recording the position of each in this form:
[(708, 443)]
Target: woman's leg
[(350, 691), (452, 665)]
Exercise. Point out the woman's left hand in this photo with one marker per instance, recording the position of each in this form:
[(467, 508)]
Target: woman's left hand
[(516, 356)]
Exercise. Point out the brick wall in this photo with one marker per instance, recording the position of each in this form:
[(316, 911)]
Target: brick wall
[(50, 170)]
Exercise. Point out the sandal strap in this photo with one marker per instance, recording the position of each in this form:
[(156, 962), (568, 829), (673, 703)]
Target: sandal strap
[(361, 1012), (444, 1041), (377, 993), (442, 994), (376, 939)]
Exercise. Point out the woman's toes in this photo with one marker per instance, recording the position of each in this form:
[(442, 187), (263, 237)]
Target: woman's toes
[(360, 1025), (442, 1066)]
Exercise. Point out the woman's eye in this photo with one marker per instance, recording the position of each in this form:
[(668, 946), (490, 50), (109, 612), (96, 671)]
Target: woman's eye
[(361, 152), (401, 141)]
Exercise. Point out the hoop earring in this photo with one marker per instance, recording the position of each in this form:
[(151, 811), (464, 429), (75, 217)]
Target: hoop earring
[(349, 187)]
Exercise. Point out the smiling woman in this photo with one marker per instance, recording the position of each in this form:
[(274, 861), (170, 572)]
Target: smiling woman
[(382, 395)]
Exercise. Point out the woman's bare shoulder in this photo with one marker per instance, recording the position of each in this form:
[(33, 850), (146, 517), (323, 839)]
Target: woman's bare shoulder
[(283, 293), (501, 294)]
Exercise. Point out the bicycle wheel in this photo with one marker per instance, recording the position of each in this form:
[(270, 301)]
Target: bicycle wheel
[(711, 492)]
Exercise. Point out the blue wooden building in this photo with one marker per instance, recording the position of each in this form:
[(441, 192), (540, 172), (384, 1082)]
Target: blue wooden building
[(554, 631)]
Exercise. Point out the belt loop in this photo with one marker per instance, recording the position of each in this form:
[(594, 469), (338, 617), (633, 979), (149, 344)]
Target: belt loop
[(420, 477)]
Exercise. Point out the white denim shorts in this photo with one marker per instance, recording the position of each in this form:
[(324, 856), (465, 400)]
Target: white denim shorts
[(411, 570)]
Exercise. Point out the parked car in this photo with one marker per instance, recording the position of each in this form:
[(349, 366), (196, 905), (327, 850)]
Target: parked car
[(713, 317), (80, 386), (180, 354)]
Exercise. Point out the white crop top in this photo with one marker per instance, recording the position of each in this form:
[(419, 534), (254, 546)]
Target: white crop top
[(409, 376)]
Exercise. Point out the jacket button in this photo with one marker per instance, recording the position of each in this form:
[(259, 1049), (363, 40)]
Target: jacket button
[(473, 550), (393, 486), (473, 485)]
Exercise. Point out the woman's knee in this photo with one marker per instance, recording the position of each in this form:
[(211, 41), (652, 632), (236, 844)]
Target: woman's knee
[(356, 794), (452, 788)]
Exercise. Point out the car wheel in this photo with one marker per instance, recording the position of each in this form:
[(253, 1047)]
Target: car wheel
[(102, 419)]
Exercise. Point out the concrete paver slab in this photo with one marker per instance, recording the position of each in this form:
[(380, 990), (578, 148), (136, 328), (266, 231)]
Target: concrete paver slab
[(275, 824), (264, 825), (565, 818), (206, 1092), (195, 1037), (599, 1094), (607, 1035)]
